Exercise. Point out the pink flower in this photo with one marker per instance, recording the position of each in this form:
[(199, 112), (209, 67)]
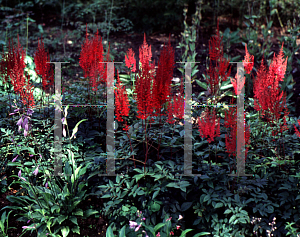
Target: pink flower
[(35, 172), (19, 174), (28, 227), (158, 234), (171, 233), (178, 227), (14, 159), (137, 228), (132, 224)]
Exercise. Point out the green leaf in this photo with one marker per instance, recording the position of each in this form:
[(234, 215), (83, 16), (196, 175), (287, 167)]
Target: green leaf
[(158, 226), (218, 205), (155, 194), (109, 232), (61, 218), (206, 198), (186, 205), (202, 233), (202, 84), (55, 207), (232, 219), (76, 229), (227, 211), (65, 231), (185, 231), (90, 212), (155, 207), (78, 212), (73, 219), (122, 232)]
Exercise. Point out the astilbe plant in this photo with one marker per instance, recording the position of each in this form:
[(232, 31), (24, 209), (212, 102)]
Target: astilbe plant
[(163, 78), (130, 60), (44, 69), (121, 103), (230, 138), (176, 106), (92, 61), (268, 97), (17, 73), (152, 86), (14, 62), (217, 64), (207, 125), (143, 92)]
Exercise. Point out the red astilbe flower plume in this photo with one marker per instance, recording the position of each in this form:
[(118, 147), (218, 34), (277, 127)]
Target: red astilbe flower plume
[(248, 62), (121, 102), (176, 107), (163, 79), (44, 69), (230, 141), (143, 92), (27, 94), (17, 74), (91, 61), (145, 53), (207, 126), (130, 60), (218, 64), (216, 45), (7, 61), (267, 93), (296, 130)]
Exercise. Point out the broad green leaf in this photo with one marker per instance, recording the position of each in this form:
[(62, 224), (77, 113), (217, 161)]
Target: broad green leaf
[(65, 231), (61, 218), (185, 231)]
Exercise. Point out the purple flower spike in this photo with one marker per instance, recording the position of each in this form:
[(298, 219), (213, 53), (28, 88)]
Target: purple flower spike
[(26, 127), (46, 185), (30, 112), (25, 122), (35, 172), (25, 133), (19, 123), (20, 173), (14, 159)]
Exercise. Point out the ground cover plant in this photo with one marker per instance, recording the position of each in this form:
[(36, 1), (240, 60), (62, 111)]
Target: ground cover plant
[(151, 196)]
